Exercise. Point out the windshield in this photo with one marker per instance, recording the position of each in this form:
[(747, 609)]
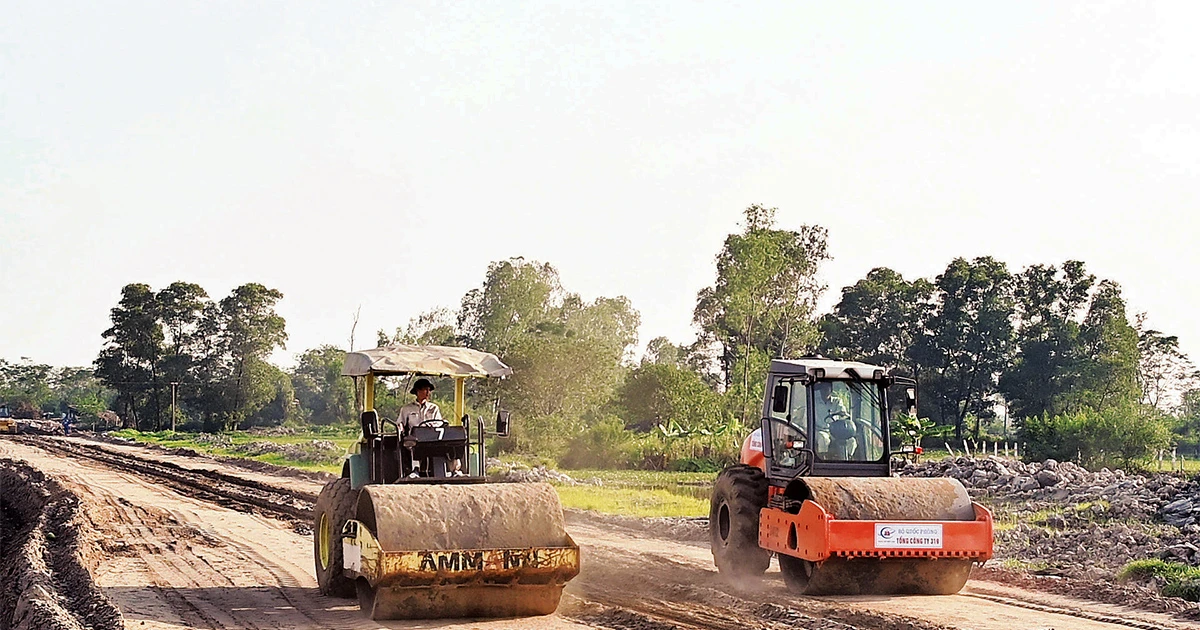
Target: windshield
[(848, 420)]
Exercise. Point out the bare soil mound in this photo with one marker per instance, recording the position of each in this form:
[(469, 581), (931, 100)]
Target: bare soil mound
[(45, 583)]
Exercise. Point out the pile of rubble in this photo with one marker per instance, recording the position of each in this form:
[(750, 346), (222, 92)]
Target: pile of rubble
[(1129, 495), (518, 473), (1056, 515), (39, 427), (313, 451), (213, 439), (279, 431)]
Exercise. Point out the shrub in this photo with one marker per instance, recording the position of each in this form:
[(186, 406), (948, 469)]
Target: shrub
[(607, 444), (1182, 581), (538, 435), (1185, 589), (661, 450), (1118, 435)]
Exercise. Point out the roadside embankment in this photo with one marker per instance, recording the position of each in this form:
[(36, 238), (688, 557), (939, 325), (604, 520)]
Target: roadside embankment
[(45, 582)]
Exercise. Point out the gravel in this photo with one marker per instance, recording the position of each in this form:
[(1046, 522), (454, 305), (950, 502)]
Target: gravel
[(1058, 518)]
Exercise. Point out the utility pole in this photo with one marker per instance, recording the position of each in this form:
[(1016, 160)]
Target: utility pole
[(174, 389)]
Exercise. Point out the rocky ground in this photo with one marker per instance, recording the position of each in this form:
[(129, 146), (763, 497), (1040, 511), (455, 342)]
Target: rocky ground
[(1058, 519)]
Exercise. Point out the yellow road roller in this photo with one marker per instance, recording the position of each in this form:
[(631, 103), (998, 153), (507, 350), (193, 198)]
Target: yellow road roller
[(413, 529), (8, 424)]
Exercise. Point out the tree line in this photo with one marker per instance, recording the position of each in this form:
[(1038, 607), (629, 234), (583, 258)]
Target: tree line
[(176, 350), (1047, 352), (1050, 348)]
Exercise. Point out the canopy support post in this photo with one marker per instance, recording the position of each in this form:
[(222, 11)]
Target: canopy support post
[(460, 402)]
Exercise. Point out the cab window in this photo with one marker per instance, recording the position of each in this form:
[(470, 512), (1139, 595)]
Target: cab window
[(848, 421), (788, 437)]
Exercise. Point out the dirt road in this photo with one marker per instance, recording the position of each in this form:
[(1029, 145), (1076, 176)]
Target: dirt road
[(193, 543)]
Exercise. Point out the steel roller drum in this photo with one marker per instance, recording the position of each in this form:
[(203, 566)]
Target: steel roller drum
[(888, 499), (521, 522)]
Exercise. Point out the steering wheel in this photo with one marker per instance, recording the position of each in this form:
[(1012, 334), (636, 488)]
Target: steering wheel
[(433, 423), (834, 416)]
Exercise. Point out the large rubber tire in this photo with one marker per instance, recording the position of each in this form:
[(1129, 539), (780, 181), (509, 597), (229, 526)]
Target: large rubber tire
[(739, 493), (797, 572), (335, 505)]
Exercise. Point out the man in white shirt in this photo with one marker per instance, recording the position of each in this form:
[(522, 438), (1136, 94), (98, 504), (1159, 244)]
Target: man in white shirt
[(414, 413)]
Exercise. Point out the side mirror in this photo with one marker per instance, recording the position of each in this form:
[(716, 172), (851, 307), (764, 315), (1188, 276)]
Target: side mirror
[(502, 427), (910, 400), (779, 399)]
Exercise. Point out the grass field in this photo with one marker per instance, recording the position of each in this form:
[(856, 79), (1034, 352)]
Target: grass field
[(640, 492), (204, 443), (624, 492), (631, 501)]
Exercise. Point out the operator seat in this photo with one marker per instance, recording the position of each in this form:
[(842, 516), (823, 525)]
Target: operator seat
[(842, 442)]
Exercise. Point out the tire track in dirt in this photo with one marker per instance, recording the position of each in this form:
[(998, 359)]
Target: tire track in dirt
[(174, 561), (291, 504)]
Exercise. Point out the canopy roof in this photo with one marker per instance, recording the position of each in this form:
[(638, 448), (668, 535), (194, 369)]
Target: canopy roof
[(429, 360), (833, 369)]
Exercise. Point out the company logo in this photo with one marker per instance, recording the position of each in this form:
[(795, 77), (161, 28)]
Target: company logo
[(911, 536)]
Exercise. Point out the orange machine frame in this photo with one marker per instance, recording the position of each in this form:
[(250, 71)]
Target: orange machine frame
[(816, 535)]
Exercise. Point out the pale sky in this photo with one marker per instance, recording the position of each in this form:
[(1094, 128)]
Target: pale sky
[(383, 154)]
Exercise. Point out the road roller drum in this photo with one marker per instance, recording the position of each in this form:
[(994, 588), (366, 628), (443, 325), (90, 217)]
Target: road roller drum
[(459, 550), (888, 498)]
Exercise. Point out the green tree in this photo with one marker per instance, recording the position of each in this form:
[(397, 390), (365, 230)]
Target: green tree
[(515, 297), (762, 302), (279, 398), (431, 328), (324, 394), (129, 361), (878, 320), (1110, 372), (612, 323), (969, 341), (661, 351), (1164, 371), (26, 384), (566, 353), (1187, 418), (182, 307), (1046, 369), (659, 393), (251, 330), (78, 387), (1116, 435)]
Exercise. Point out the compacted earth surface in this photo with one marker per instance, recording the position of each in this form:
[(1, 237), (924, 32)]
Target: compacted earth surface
[(100, 535)]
